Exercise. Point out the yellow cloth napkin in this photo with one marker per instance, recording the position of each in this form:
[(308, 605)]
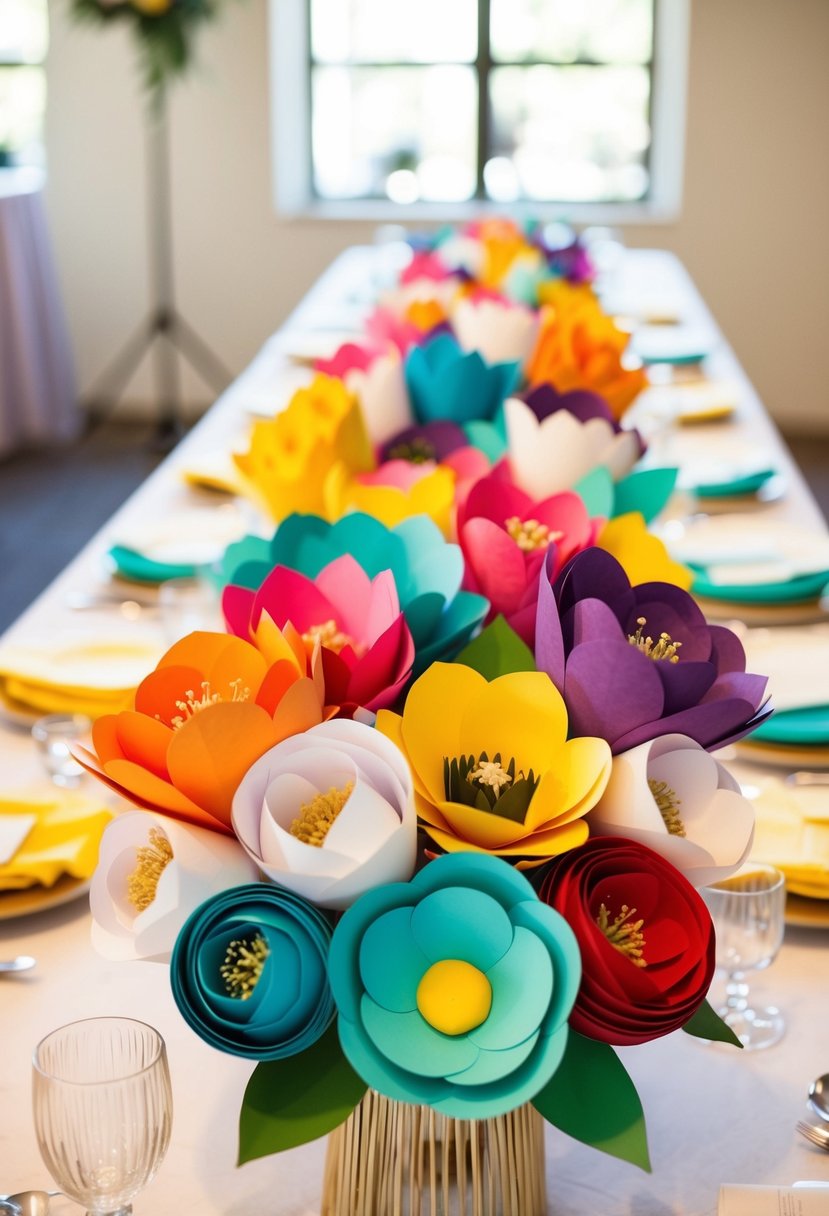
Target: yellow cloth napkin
[(63, 840), (792, 833), (81, 675)]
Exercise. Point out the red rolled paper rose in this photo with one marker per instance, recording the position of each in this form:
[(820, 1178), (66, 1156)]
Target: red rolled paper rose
[(645, 935)]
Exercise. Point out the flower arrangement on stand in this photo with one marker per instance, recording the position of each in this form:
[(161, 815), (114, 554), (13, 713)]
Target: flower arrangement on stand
[(454, 756)]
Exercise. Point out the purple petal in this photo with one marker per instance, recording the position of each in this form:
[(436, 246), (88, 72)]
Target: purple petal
[(594, 574), (549, 643), (765, 712), (662, 616), (545, 400), (592, 621), (684, 683), (610, 689), (742, 684), (709, 724), (683, 604), (726, 649)]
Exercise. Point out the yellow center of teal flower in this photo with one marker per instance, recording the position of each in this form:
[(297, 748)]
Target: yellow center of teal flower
[(454, 997), (316, 818), (668, 804), (243, 966), (529, 534), (663, 648), (624, 933)]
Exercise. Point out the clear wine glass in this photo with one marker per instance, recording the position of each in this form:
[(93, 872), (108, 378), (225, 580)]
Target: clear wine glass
[(103, 1110), (748, 911)]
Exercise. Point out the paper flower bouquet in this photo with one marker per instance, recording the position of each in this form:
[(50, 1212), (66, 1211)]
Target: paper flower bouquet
[(430, 820)]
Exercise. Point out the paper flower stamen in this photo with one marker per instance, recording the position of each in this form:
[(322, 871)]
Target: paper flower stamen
[(668, 803), (663, 648), (243, 966), (329, 635), (316, 818), (529, 534), (488, 786), (417, 450), (624, 933), (454, 996), (193, 705), (151, 860)]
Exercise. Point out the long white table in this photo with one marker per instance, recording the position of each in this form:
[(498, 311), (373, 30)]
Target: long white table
[(714, 1114)]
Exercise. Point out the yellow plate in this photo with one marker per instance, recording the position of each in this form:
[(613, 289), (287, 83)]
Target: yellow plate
[(807, 913), (27, 900), (786, 757)]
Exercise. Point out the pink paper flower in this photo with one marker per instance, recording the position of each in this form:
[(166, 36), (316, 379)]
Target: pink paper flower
[(385, 328), (348, 357), (366, 647), (505, 536)]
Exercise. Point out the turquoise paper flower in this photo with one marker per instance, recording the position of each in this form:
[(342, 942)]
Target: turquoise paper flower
[(447, 383), (249, 972), (454, 989), (427, 571), (644, 490)]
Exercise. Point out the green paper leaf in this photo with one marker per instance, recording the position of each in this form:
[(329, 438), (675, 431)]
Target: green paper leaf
[(595, 490), (289, 1102), (591, 1097), (496, 651), (707, 1024), (646, 491)]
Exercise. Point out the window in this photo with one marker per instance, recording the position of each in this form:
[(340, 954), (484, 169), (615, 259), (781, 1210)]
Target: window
[(23, 41), (439, 104)]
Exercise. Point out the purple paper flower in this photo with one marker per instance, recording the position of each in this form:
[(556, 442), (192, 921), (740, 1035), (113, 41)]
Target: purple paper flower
[(545, 400), (430, 441), (634, 663)]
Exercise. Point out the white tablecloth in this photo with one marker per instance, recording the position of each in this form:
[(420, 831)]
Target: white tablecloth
[(714, 1115), (37, 382)]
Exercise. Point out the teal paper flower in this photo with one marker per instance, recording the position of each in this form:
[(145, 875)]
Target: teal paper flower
[(447, 383), (454, 989), (249, 972), (644, 490), (427, 571)]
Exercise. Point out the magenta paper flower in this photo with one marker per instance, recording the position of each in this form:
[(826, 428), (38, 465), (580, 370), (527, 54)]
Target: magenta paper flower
[(426, 265), (636, 663), (346, 358), (366, 647), (505, 537)]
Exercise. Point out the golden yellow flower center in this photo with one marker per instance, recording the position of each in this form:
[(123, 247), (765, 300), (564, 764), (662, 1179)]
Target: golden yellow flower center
[(492, 774), (624, 933), (151, 860), (329, 635), (192, 705), (529, 534), (668, 803), (454, 997), (663, 648), (243, 966), (315, 818)]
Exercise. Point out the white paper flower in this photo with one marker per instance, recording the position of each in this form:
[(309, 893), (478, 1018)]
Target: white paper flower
[(552, 455), (503, 333), (152, 872), (420, 291), (465, 252), (329, 813), (671, 796), (381, 391)]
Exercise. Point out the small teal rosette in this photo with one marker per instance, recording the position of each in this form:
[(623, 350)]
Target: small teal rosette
[(448, 383), (249, 972), (454, 989)]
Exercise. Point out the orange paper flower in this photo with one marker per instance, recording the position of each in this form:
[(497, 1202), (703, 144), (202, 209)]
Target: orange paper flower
[(213, 705), (579, 346)]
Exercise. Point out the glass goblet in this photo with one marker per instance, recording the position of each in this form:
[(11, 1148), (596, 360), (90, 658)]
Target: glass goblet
[(748, 914), (103, 1110)]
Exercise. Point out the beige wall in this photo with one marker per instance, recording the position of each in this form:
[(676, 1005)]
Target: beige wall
[(753, 230)]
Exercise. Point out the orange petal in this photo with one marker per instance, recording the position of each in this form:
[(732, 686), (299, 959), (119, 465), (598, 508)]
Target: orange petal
[(105, 738), (159, 694), (211, 753), (145, 740), (299, 710), (276, 683), (140, 785)]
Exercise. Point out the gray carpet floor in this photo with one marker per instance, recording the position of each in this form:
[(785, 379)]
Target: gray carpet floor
[(53, 500)]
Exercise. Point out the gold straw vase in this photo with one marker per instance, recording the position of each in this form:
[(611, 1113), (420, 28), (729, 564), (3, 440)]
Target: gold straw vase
[(397, 1159)]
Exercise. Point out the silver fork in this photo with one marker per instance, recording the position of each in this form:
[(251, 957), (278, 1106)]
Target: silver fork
[(815, 1135)]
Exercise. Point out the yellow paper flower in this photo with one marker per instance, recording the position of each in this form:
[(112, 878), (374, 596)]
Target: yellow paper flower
[(290, 455), (493, 769), (579, 346), (503, 242), (642, 555), (409, 491)]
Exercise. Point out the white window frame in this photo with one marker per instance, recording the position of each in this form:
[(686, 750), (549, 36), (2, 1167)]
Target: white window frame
[(291, 153)]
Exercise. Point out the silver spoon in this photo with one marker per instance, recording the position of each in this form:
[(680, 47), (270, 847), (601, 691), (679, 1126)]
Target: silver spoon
[(28, 1203), (23, 962), (819, 1097)]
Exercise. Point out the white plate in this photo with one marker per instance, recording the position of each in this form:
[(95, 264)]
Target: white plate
[(195, 537)]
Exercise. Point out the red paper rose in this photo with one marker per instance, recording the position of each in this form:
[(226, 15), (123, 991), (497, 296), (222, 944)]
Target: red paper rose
[(646, 939)]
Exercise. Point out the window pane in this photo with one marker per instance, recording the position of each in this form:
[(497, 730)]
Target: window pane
[(389, 31), (22, 105), (383, 133), (23, 30), (569, 133), (610, 31)]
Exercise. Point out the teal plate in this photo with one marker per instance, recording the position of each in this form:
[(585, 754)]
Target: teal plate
[(140, 569), (738, 485), (800, 590), (808, 725)]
